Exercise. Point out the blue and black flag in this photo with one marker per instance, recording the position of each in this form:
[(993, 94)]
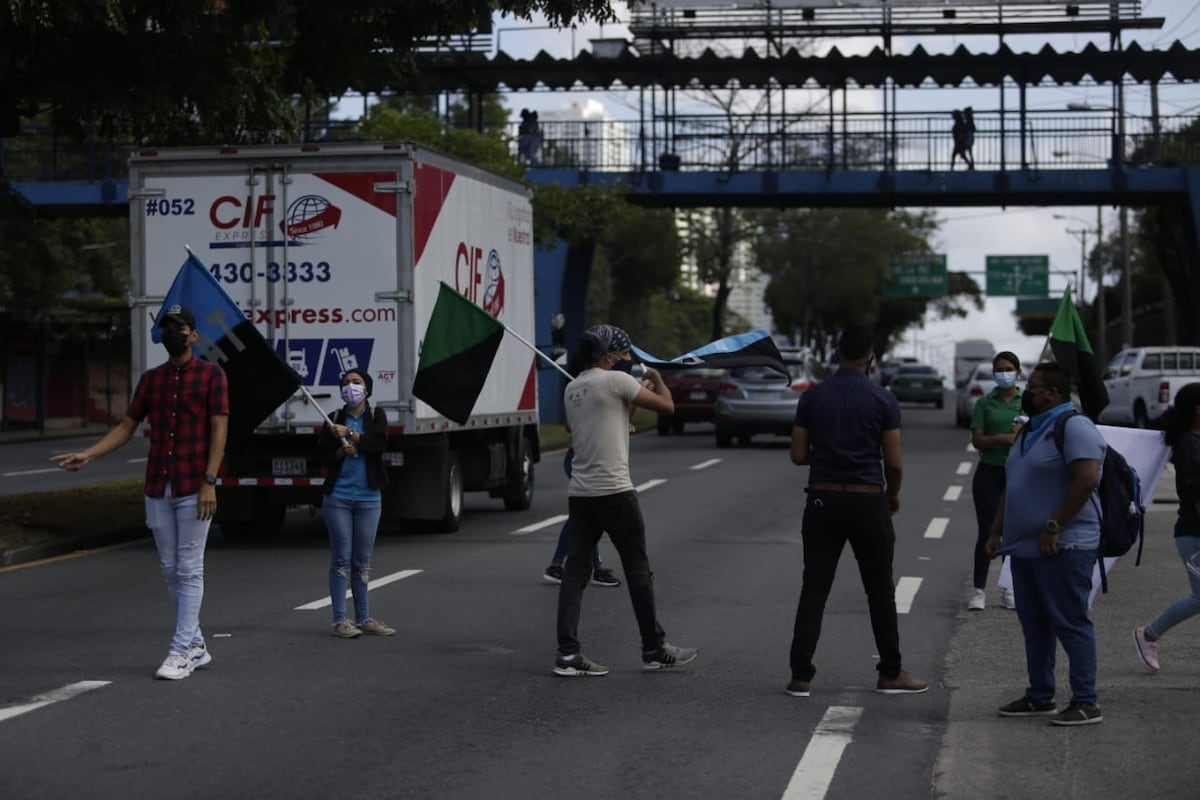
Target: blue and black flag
[(259, 381), (753, 349)]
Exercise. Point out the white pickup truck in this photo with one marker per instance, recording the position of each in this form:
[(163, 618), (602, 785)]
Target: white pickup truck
[(1142, 382)]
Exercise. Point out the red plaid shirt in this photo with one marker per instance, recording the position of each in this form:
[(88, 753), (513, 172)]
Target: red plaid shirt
[(180, 403)]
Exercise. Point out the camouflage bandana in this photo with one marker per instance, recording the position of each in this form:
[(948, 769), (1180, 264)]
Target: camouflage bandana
[(608, 338)]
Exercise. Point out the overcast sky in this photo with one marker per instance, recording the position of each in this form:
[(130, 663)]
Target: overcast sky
[(967, 235)]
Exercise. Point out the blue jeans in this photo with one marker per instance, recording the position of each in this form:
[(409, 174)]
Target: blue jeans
[(180, 539), (352, 525), (1185, 607), (1052, 604)]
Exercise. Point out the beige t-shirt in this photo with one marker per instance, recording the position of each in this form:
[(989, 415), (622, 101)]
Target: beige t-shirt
[(597, 404)]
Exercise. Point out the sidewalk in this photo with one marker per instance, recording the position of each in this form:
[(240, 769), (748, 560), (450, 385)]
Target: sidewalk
[(1143, 746)]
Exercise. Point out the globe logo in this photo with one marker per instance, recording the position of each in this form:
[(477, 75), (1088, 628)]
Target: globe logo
[(308, 216), (493, 291)]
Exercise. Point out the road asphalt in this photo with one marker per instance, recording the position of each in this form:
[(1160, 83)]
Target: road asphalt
[(1147, 716)]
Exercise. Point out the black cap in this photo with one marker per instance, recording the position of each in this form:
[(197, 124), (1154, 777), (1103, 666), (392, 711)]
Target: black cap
[(180, 314)]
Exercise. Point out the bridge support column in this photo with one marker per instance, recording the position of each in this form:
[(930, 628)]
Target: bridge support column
[(561, 276), (1192, 237)]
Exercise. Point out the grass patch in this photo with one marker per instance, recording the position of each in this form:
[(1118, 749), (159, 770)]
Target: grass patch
[(42, 516)]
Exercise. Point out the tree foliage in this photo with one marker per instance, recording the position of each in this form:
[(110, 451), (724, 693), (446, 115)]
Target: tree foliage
[(829, 267), (221, 71)]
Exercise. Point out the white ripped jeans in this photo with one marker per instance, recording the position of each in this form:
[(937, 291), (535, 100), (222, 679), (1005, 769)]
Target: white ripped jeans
[(180, 538)]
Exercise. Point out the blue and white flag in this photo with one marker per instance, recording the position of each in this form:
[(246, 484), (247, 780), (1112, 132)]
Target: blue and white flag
[(753, 349), (259, 381)]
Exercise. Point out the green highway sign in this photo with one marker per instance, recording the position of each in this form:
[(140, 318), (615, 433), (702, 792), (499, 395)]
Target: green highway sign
[(922, 275), (1018, 276), (1037, 306)]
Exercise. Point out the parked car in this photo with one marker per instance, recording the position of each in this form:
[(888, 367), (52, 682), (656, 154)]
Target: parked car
[(979, 383), (694, 391), (1142, 382), (918, 383), (887, 369), (756, 400)]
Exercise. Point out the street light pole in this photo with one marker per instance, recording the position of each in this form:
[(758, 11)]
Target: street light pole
[(1101, 310)]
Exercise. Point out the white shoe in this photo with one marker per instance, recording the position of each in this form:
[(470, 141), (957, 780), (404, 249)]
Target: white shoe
[(199, 656), (978, 601), (175, 667), (1007, 599)]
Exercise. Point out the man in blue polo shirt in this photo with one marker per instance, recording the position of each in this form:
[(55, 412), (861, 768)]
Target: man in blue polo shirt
[(842, 425), (1048, 523)]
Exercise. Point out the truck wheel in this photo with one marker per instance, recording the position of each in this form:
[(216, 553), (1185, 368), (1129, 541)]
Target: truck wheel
[(677, 427), (452, 515), (744, 439), (1140, 418), (519, 495), (724, 438), (664, 425)]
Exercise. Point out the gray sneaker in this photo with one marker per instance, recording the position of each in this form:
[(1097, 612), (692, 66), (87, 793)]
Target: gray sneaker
[(175, 667), (377, 628), (1078, 714), (667, 656), (576, 666), (199, 656), (346, 630)]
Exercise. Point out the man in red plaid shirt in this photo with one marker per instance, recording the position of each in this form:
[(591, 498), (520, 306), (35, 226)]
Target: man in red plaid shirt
[(186, 401)]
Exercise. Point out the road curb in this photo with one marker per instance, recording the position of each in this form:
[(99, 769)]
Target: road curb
[(34, 552)]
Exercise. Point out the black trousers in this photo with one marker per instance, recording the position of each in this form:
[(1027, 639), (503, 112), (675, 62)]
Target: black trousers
[(986, 486), (590, 517), (830, 520)]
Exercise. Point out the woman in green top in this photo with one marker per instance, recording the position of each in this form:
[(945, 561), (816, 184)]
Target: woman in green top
[(993, 428)]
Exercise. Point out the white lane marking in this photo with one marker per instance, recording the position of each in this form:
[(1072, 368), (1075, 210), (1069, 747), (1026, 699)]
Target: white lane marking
[(135, 460), (970, 448), (705, 464), (32, 472), (924, 558), (1162, 507), (537, 526), (952, 493), (56, 696), (964, 468), (375, 584), (815, 771), (906, 592), (649, 484), (936, 528)]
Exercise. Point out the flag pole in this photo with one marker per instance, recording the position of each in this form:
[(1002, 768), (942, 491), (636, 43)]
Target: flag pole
[(539, 353)]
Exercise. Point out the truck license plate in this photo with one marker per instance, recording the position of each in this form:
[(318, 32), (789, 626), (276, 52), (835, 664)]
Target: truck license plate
[(288, 466), (698, 395)]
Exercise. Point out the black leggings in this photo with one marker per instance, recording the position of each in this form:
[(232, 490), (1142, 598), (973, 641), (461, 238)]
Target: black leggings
[(986, 487)]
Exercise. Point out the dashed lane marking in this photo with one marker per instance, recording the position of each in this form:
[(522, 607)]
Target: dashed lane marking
[(375, 584), (936, 528), (537, 526), (964, 468), (829, 740), (49, 698), (705, 464), (906, 592), (31, 472), (952, 493), (641, 487)]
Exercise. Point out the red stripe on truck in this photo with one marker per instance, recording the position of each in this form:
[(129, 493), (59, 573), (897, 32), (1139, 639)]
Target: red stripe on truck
[(362, 186), (433, 185)]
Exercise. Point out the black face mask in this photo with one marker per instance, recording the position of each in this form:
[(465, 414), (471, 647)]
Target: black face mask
[(1027, 403), (624, 365), (176, 342)]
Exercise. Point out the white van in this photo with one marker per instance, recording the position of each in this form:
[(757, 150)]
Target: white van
[(968, 354)]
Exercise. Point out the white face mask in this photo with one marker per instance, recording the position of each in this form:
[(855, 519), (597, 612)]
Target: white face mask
[(1005, 380), (353, 393)]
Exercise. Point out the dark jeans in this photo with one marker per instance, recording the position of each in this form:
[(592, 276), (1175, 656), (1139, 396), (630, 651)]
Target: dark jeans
[(620, 516), (986, 486), (1052, 604), (830, 520)]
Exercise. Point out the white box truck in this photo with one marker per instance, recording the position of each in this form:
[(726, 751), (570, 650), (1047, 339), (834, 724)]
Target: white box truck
[(335, 252)]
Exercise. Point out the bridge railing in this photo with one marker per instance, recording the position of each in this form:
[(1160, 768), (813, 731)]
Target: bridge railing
[(871, 141)]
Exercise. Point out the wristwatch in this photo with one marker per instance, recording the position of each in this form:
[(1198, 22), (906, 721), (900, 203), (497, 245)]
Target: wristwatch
[(211, 480), (1054, 526)]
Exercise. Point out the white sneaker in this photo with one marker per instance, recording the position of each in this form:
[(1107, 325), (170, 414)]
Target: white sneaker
[(1007, 599), (199, 656), (978, 601), (175, 667)]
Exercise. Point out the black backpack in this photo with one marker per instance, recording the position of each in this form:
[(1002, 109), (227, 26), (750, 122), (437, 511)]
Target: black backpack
[(1122, 511)]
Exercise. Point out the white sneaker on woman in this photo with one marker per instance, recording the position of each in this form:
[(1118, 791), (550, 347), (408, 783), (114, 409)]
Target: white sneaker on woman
[(978, 601)]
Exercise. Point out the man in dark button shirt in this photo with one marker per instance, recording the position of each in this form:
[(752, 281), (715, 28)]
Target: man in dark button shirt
[(186, 400), (842, 425)]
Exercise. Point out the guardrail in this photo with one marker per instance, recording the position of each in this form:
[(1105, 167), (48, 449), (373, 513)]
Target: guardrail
[(852, 141)]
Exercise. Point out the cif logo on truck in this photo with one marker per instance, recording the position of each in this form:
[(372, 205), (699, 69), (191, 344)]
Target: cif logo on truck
[(480, 280), (306, 217)]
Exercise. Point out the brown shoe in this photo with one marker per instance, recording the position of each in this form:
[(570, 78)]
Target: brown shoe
[(346, 630), (376, 628), (901, 684), (799, 688)]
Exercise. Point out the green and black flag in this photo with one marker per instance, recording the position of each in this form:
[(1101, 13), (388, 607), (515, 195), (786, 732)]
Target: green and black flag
[(1068, 342), (456, 355)]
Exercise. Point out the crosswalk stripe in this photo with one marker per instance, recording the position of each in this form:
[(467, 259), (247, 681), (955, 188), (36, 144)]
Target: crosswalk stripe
[(829, 740), (906, 592)]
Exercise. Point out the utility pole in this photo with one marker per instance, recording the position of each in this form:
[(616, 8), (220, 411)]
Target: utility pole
[(1101, 314)]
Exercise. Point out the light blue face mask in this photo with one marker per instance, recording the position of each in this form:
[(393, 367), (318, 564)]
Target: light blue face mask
[(1005, 380)]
